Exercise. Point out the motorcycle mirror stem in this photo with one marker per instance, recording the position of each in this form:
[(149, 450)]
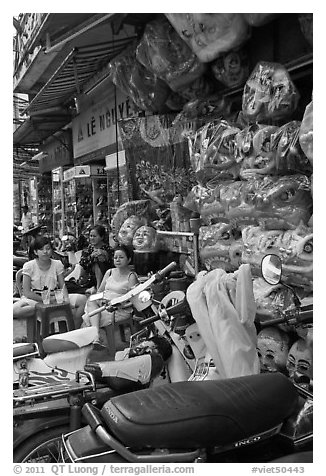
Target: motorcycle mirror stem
[(271, 270)]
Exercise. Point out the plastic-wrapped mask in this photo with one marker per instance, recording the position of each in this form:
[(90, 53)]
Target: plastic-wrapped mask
[(273, 347), (145, 239), (128, 228), (299, 362)]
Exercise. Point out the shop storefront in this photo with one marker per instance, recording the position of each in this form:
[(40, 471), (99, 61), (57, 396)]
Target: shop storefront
[(202, 154)]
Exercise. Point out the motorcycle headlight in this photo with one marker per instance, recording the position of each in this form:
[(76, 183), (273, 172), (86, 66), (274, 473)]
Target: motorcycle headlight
[(144, 296)]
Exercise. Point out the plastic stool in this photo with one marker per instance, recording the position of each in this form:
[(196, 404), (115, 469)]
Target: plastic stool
[(53, 319)]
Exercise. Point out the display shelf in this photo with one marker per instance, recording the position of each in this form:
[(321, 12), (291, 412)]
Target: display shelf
[(100, 200), (78, 205), (57, 202), (44, 201)]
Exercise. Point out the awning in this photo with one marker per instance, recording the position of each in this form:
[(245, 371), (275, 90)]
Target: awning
[(78, 67), (34, 130)]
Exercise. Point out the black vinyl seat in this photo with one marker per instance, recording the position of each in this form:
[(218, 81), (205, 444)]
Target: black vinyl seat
[(200, 414)]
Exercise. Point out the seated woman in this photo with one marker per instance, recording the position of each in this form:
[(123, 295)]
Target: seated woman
[(116, 282), (44, 273), (96, 258)]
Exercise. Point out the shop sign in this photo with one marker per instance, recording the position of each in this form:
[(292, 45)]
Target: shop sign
[(83, 171), (111, 160), (57, 153), (96, 127), (80, 171), (98, 171)]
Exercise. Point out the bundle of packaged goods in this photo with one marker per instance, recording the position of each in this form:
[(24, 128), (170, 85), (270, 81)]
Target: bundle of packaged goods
[(253, 168), (254, 196)]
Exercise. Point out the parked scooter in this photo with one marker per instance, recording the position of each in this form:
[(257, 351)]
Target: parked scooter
[(48, 394), (43, 412), (243, 419)]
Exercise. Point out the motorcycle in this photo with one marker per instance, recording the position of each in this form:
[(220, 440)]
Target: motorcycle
[(242, 419), (49, 394)]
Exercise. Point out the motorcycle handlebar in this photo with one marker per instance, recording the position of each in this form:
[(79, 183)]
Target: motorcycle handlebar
[(149, 320), (140, 287), (293, 316), (163, 272)]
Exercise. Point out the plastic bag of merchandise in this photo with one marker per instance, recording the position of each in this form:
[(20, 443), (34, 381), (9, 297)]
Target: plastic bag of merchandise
[(290, 158), (224, 308), (212, 152), (164, 53), (259, 19), (220, 246), (210, 34), (232, 68), (202, 87), (206, 201), (295, 247), (175, 102), (209, 109), (271, 299), (194, 198), (278, 203), (145, 89), (306, 132), (269, 93), (306, 25), (255, 150), (239, 201)]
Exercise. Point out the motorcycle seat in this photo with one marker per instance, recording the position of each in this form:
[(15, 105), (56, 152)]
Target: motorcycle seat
[(71, 340), (200, 413)]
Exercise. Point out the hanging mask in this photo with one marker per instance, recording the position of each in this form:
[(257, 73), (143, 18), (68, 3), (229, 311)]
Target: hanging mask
[(299, 362), (128, 228), (145, 239), (273, 347)]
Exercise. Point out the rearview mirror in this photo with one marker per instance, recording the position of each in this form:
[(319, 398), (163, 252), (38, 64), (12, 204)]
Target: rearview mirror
[(271, 268)]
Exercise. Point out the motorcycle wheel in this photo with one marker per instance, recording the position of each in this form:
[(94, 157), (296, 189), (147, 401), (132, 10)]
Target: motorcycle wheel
[(42, 448)]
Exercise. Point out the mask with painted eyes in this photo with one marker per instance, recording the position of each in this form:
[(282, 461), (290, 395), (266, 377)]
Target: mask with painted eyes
[(299, 362), (128, 228), (273, 347), (145, 239)]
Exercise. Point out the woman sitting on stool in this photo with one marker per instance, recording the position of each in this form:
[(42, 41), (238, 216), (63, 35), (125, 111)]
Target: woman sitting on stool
[(116, 282), (44, 273)]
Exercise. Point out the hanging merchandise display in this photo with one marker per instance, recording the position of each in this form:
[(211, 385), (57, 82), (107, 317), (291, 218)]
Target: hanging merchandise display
[(232, 68), (269, 93), (306, 24), (220, 246), (209, 34), (244, 176), (157, 158), (294, 246), (165, 54), (259, 19), (146, 89), (306, 132)]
